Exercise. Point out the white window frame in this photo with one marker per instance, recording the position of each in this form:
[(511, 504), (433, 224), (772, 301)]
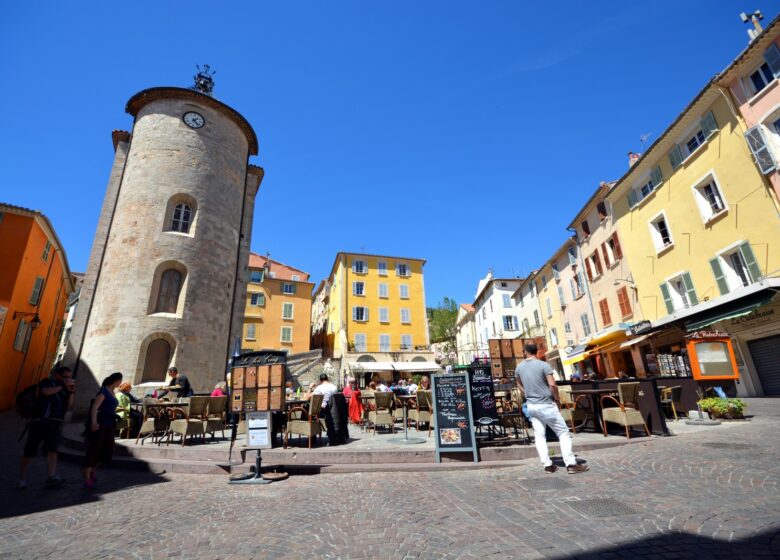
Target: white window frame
[(384, 343), (751, 87), (384, 290), (567, 328), (361, 346), (251, 331), (284, 329), (355, 291), (548, 304), (506, 300), (404, 345), (384, 315), (402, 270), (296, 278), (382, 268), (511, 324), (655, 233), (705, 209), (537, 321), (259, 299), (732, 278), (365, 314), (553, 337), (585, 322), (252, 276), (596, 268), (680, 301), (406, 316), (359, 267), (291, 308), (288, 288), (403, 291)]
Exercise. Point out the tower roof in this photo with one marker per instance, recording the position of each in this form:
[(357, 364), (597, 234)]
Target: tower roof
[(140, 99)]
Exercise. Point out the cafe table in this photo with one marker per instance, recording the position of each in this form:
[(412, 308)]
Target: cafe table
[(406, 440), (595, 398), (161, 412)]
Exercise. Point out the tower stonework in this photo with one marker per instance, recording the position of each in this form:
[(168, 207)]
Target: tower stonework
[(166, 279)]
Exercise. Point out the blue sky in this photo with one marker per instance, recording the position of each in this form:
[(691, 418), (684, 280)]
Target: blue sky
[(465, 133)]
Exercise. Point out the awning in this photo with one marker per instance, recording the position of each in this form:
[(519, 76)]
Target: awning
[(636, 340), (371, 366), (614, 334), (577, 354), (730, 312), (416, 366), (552, 355)]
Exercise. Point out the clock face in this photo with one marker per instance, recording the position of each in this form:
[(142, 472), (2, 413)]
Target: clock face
[(193, 119)]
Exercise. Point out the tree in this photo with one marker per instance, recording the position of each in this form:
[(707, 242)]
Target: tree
[(442, 321)]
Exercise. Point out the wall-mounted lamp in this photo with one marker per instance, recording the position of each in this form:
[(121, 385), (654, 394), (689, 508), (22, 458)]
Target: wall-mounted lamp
[(36, 321)]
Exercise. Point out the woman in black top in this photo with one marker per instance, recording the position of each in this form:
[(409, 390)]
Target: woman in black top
[(101, 425)]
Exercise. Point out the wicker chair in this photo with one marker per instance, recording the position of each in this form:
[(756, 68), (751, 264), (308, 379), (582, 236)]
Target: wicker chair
[(626, 413), (305, 421), (367, 400), (216, 415), (572, 410), (384, 410), (671, 397), (422, 411), (190, 421), (152, 422)]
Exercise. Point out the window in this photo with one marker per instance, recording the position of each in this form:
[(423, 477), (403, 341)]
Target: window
[(251, 331), (493, 325), (709, 199), (490, 304), (23, 333), (635, 196), (601, 208), (287, 310), (555, 271), (536, 318), (507, 299), (624, 302), (574, 287), (561, 299), (759, 147), (402, 269), (288, 288), (256, 276), (404, 290), (296, 278), (382, 266), (548, 304), (358, 288), (567, 328), (406, 342), (35, 296), (761, 78), (286, 335), (611, 250), (593, 266), (510, 323), (484, 313), (678, 293), (384, 342), (383, 291), (604, 308), (360, 343), (520, 293), (503, 284), (553, 338), (735, 268), (526, 326), (707, 127), (572, 255), (406, 316), (384, 315), (46, 251), (360, 314), (585, 324), (585, 228), (257, 300), (182, 218), (359, 267), (659, 231), (695, 141), (544, 282), (168, 296)]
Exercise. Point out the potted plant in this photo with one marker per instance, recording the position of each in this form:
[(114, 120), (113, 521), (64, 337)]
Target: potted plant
[(728, 409)]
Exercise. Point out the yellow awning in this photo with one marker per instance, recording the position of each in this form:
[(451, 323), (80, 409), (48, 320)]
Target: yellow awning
[(576, 359), (608, 337)]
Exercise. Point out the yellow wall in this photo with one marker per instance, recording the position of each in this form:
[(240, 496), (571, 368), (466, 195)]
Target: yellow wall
[(342, 301), (751, 214)]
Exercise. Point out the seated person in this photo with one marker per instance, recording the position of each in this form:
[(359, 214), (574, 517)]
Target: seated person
[(425, 383), (288, 389), (576, 377), (349, 390), (326, 389), (180, 385), (412, 387), (382, 387), (124, 410), (220, 390)]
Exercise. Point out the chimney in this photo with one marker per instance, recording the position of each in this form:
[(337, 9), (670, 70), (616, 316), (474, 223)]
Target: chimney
[(633, 157)]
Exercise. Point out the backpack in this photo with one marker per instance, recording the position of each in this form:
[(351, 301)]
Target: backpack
[(27, 402)]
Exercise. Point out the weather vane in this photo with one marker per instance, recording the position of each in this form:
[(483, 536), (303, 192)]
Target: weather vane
[(204, 79)]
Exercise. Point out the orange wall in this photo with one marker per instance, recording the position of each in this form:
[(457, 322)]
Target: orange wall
[(16, 370), (268, 319)]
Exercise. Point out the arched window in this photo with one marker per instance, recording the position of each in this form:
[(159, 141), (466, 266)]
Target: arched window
[(182, 217), (168, 295), (157, 360)]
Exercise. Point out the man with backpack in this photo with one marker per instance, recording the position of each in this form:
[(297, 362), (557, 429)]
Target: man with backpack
[(55, 396)]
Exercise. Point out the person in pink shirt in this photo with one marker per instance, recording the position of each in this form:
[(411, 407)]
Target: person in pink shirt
[(220, 390)]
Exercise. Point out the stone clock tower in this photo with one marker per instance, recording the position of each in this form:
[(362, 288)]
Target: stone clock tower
[(166, 280)]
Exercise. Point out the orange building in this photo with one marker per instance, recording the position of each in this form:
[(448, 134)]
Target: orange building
[(35, 283), (278, 307)]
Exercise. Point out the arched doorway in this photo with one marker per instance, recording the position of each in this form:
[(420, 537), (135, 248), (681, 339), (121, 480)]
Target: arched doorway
[(158, 358)]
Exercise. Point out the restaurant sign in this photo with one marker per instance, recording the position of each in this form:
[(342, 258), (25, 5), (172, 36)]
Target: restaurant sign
[(639, 327), (759, 313), (708, 334)]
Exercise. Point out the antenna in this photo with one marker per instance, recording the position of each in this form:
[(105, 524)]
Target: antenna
[(754, 18), (643, 138)]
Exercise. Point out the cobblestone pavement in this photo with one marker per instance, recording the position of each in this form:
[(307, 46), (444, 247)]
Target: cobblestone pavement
[(707, 494)]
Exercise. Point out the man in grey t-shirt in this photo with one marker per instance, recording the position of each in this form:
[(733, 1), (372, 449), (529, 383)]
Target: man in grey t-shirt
[(537, 379)]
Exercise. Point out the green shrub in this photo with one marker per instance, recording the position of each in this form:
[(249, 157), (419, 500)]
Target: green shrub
[(723, 408)]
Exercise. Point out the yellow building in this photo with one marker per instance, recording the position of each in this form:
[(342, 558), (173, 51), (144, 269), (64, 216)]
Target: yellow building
[(373, 314), (278, 307), (699, 227)]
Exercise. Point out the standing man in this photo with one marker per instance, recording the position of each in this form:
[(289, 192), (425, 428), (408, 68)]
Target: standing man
[(55, 396), (537, 379), (179, 384)]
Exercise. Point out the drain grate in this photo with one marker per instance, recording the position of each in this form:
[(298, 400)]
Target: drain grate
[(601, 507), (548, 483), (726, 445)]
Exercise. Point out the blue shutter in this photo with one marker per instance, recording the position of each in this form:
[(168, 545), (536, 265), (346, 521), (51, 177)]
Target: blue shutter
[(633, 200), (667, 298), (708, 124), (723, 286), (655, 176), (772, 57), (750, 260), (760, 148), (688, 283), (675, 156)]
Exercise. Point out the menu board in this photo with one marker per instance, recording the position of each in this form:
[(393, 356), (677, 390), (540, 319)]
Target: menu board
[(258, 424), (454, 420), (483, 401)]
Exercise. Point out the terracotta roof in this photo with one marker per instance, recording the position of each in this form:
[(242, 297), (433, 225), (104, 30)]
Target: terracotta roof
[(468, 307), (281, 271)]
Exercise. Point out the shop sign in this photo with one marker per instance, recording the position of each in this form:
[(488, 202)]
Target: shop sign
[(639, 328), (708, 334), (759, 313)]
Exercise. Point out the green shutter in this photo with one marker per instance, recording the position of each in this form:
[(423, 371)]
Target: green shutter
[(655, 176), (667, 298), (772, 57), (688, 283), (675, 156), (708, 124), (750, 261), (36, 292), (719, 277), (632, 199)]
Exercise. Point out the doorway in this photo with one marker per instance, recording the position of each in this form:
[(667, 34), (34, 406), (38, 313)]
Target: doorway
[(158, 358)]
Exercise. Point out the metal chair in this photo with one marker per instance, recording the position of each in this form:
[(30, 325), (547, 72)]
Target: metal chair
[(422, 411), (572, 410), (671, 397), (216, 415), (152, 421), (626, 413), (384, 410), (190, 421), (304, 421)]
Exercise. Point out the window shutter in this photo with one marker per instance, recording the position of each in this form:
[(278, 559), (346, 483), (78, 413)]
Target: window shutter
[(618, 250), (633, 200), (708, 124), (604, 305), (688, 283), (560, 296), (719, 277), (582, 282), (365, 314), (588, 270), (667, 298), (759, 146), (625, 307), (598, 263), (655, 176), (772, 57), (36, 292), (750, 260), (675, 156)]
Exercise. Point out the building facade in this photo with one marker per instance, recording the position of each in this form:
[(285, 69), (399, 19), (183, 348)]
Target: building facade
[(35, 283), (527, 308), (278, 307), (468, 348), (166, 279), (494, 309)]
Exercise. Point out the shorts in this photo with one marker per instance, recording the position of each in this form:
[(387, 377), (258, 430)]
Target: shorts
[(48, 432)]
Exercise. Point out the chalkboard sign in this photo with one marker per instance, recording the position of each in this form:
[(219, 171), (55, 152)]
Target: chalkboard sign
[(483, 401), (454, 419)]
